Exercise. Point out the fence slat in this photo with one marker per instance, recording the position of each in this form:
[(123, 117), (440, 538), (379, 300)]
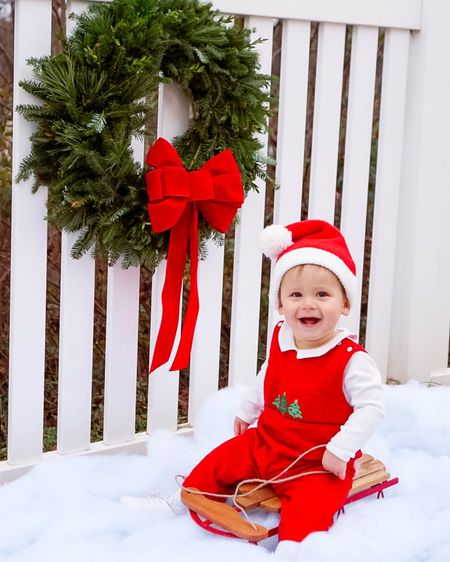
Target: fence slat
[(421, 300), (163, 384), (28, 255), (173, 119), (387, 193), (76, 329), (248, 257), (122, 333), (74, 7), (75, 349), (291, 129), (358, 143), (327, 112), (291, 121), (122, 318), (205, 357)]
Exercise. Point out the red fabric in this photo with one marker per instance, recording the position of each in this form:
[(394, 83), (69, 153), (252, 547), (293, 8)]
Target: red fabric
[(308, 503), (321, 235), (176, 196), (316, 383)]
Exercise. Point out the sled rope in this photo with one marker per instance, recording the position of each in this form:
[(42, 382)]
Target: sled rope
[(261, 483)]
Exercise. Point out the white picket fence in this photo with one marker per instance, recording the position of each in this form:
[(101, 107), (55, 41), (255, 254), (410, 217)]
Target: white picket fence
[(409, 298)]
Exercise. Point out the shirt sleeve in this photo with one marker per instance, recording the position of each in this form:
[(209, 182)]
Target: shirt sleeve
[(253, 400), (363, 390)]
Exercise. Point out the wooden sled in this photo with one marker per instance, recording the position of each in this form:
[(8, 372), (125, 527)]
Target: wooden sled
[(223, 519)]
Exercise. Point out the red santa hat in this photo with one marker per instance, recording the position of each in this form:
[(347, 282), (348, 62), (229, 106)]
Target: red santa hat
[(308, 242)]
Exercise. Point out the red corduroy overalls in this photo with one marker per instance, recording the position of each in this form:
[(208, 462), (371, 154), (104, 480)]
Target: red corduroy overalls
[(304, 406)]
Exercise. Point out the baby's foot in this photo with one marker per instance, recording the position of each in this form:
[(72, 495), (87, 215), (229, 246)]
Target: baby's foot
[(166, 505)]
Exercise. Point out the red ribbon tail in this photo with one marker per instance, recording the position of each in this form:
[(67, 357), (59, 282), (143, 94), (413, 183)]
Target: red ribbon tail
[(176, 259), (182, 356)]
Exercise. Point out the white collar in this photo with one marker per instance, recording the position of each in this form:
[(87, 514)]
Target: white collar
[(287, 343)]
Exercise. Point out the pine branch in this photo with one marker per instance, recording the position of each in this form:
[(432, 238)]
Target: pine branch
[(100, 92)]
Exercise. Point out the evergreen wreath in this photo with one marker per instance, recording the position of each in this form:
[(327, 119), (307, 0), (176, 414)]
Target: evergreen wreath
[(101, 90)]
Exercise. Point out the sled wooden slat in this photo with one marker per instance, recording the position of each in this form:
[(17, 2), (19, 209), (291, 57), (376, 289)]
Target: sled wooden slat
[(369, 471), (362, 459), (369, 480), (254, 499), (272, 504), (229, 518), (360, 482), (371, 477), (369, 467)]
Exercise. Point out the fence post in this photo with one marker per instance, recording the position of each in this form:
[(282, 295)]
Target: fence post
[(28, 254), (421, 299)]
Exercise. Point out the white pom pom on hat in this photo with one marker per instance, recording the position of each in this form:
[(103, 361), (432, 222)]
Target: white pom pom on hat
[(314, 242), (274, 240)]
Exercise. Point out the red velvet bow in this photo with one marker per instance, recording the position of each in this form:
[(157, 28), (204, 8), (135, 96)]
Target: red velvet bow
[(176, 196)]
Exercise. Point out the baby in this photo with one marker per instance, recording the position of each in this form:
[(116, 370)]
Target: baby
[(318, 388)]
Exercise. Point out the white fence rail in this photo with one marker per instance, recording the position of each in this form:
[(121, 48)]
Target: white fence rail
[(407, 327)]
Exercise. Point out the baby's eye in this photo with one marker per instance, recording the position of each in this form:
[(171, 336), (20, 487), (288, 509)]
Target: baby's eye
[(322, 294), (296, 294)]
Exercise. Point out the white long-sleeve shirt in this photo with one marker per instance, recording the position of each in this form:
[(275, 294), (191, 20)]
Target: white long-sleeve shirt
[(362, 386)]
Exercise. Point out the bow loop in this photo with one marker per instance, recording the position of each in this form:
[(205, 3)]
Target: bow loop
[(162, 154), (218, 216), (167, 182), (175, 197), (165, 214), (222, 163)]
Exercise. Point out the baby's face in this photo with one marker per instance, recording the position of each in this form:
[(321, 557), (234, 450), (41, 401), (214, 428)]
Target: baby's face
[(312, 300)]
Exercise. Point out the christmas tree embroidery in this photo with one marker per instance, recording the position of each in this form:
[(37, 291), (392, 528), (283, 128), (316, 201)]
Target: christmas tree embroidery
[(280, 402), (294, 410)]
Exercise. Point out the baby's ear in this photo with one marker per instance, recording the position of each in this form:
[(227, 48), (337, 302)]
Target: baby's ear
[(280, 306), (346, 307)]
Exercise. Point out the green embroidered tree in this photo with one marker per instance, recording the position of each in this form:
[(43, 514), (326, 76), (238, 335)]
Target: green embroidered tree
[(294, 410), (280, 402)]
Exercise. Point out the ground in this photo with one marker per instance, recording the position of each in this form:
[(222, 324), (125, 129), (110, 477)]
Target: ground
[(69, 509)]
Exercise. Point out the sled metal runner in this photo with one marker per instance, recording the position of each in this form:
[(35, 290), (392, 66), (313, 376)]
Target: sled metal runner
[(223, 519)]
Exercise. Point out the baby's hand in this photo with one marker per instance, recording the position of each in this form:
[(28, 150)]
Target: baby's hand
[(240, 426), (334, 464)]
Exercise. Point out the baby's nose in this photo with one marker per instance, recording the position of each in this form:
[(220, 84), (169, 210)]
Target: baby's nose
[(309, 302)]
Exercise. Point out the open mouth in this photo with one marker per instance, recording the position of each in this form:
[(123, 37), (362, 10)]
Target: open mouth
[(309, 321)]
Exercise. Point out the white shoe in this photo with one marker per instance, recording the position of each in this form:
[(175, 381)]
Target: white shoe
[(287, 550), (155, 503)]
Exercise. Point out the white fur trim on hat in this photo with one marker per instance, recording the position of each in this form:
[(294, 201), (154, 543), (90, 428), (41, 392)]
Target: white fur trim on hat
[(314, 256), (274, 240)]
